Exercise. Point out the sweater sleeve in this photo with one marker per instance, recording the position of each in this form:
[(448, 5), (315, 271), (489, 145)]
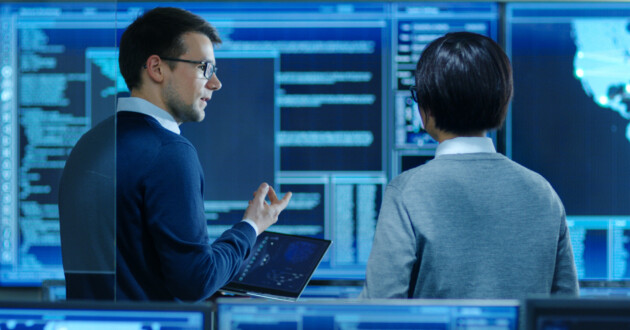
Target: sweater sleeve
[(565, 280), (192, 268), (393, 253)]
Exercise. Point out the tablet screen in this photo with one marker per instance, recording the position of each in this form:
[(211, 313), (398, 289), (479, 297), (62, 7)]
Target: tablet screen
[(279, 266)]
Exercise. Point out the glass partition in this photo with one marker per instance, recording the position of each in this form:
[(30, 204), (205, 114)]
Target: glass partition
[(57, 82)]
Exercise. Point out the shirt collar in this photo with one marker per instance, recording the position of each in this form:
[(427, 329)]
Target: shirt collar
[(139, 105), (465, 145)]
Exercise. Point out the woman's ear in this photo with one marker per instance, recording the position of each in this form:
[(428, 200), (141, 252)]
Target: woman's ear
[(423, 117)]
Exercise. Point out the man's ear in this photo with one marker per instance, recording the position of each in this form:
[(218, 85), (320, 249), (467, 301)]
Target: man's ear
[(154, 68)]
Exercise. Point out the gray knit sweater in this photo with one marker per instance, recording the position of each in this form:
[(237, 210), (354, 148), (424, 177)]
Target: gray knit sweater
[(470, 226)]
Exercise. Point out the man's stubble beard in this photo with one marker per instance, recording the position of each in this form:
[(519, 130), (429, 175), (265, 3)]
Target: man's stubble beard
[(181, 111)]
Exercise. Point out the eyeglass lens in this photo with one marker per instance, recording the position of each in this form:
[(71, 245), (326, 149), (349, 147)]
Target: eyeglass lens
[(414, 93), (209, 70)]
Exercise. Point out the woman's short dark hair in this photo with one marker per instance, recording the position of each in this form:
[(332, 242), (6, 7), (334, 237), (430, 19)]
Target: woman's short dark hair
[(158, 32), (464, 80)]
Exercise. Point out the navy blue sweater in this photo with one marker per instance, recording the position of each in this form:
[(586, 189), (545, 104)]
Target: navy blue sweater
[(163, 246), (163, 250)]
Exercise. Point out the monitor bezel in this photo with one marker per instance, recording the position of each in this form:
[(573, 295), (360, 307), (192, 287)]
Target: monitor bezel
[(206, 308)]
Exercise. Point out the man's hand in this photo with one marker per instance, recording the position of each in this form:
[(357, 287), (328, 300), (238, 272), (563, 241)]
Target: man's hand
[(261, 212)]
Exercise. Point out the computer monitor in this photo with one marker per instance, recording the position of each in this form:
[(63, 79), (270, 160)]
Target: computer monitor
[(574, 314), (332, 289), (601, 247), (102, 315), (570, 120), (53, 290), (366, 314), (315, 100), (604, 288)]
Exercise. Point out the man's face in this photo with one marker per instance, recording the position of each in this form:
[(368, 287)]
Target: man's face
[(187, 92)]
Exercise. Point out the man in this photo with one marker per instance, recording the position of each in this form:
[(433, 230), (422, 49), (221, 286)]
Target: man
[(162, 249), (470, 223)]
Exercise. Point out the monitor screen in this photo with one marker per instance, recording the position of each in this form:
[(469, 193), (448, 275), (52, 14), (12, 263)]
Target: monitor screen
[(332, 289), (366, 314), (315, 100), (604, 288), (601, 247), (574, 314), (570, 120), (93, 315)]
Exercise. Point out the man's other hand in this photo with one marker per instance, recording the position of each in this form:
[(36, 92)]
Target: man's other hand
[(263, 213)]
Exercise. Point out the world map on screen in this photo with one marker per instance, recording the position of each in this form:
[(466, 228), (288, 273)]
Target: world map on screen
[(602, 63)]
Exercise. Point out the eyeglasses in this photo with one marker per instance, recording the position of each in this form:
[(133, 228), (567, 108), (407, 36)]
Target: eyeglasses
[(414, 93), (208, 68)]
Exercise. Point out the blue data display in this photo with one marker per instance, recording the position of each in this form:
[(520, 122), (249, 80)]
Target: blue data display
[(570, 117), (315, 100), (322, 314), (93, 315), (570, 120), (601, 247)]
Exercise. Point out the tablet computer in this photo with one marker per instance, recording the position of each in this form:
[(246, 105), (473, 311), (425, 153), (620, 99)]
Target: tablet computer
[(279, 266)]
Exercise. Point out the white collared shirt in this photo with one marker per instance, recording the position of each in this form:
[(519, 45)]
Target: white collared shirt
[(465, 145), (140, 105)]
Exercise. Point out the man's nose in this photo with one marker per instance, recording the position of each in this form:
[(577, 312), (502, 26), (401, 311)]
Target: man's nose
[(214, 83)]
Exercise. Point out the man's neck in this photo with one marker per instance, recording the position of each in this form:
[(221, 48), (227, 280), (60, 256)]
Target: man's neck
[(151, 97)]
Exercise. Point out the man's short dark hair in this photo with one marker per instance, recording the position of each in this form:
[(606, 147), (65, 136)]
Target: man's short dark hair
[(464, 80), (158, 32)]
